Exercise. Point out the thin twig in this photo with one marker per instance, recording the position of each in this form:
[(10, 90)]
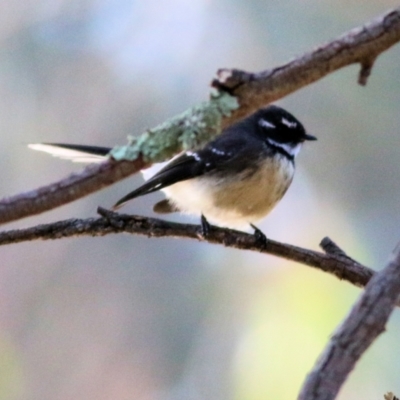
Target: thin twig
[(365, 70), (252, 90), (362, 326), (113, 223), (330, 247)]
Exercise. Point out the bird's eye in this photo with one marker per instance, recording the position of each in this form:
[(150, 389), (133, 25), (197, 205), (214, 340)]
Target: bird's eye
[(266, 124)]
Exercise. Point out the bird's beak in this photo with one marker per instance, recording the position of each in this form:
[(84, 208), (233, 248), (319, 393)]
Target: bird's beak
[(309, 137)]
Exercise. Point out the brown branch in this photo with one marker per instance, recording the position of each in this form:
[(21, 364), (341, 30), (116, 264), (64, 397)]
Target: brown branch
[(112, 223), (360, 45), (390, 396), (362, 326), (330, 247), (252, 90), (92, 178), (365, 70)]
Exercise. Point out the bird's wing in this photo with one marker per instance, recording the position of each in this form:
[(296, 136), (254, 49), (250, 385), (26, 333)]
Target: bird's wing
[(189, 165), (73, 152), (186, 166)]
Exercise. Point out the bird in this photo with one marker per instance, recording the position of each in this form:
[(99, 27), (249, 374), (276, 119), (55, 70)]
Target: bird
[(233, 181)]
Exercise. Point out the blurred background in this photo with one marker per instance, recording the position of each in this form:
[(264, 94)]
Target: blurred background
[(125, 317)]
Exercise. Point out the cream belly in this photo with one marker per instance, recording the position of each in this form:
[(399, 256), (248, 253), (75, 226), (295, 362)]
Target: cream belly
[(238, 202)]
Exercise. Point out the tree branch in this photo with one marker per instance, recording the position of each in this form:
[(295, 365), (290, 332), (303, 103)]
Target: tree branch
[(362, 326), (360, 45), (390, 396), (330, 247), (94, 177), (251, 90), (111, 223)]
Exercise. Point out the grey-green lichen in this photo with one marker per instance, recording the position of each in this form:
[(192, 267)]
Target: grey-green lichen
[(188, 130)]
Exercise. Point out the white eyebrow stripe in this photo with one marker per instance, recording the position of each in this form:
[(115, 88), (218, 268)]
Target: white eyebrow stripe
[(288, 123), (266, 124)]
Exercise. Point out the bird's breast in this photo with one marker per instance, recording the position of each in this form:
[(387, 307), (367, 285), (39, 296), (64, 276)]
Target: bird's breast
[(237, 200)]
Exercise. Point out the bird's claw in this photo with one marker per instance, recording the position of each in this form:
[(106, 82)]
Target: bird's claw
[(205, 227), (260, 237)]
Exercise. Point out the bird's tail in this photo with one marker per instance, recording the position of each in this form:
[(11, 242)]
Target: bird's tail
[(73, 152)]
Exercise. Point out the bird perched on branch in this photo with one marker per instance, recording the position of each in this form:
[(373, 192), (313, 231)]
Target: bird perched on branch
[(233, 181)]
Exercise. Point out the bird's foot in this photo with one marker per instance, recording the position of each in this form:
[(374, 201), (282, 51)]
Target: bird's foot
[(111, 216), (260, 237), (205, 227)]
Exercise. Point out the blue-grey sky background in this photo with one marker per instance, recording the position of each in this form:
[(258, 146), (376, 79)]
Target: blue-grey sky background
[(124, 317)]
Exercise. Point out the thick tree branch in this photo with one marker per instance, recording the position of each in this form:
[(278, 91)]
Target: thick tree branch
[(360, 45), (251, 90), (92, 178), (362, 326), (341, 267)]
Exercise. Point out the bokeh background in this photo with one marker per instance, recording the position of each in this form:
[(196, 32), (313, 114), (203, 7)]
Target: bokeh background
[(124, 317)]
